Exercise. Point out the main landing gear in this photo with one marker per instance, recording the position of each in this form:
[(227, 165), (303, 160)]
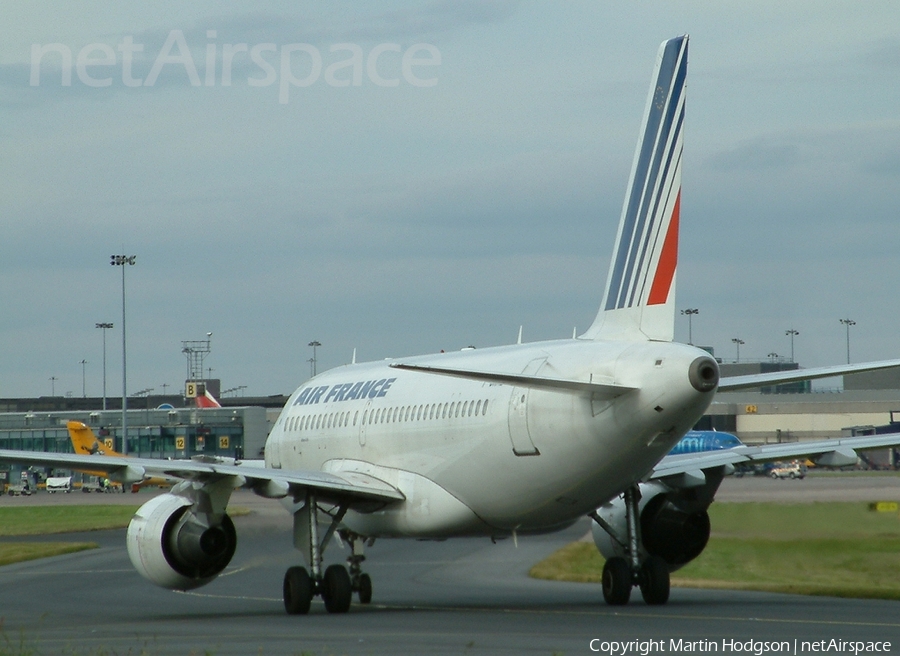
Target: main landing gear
[(620, 575), (338, 583)]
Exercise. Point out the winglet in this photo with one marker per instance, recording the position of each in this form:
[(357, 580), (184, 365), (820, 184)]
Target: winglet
[(639, 301)]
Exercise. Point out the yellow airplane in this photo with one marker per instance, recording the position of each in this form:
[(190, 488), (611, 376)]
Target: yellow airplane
[(86, 443)]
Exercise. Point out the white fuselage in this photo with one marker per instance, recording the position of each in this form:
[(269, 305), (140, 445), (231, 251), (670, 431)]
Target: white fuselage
[(477, 458)]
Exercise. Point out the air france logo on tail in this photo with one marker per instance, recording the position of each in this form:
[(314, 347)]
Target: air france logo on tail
[(639, 298)]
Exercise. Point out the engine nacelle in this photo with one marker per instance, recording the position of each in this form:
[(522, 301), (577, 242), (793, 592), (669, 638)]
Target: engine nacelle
[(674, 526), (176, 548)]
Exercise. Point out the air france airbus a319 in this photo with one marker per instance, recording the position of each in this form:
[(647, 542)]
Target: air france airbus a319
[(495, 442)]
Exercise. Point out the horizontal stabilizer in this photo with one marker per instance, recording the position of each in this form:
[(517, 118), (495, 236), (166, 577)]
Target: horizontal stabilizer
[(780, 377), (521, 380)]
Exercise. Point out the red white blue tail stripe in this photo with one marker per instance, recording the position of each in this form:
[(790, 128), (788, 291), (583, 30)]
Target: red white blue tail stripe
[(642, 271)]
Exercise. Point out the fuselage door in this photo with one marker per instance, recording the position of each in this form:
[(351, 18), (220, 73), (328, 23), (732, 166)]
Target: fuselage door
[(363, 421), (522, 445)]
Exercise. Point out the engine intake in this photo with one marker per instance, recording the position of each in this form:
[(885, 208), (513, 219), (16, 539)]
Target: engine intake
[(176, 548)]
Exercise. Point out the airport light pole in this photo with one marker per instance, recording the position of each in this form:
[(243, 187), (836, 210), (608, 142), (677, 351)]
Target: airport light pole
[(848, 323), (53, 380), (792, 333), (83, 393), (123, 261), (314, 344), (690, 312), (104, 326), (737, 342)]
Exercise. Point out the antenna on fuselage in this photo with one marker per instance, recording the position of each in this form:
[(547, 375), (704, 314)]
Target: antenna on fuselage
[(353, 361), (519, 340)]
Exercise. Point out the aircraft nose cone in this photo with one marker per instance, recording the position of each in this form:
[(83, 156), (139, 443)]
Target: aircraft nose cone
[(704, 374)]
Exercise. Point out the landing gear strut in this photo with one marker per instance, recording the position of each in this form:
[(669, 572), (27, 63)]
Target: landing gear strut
[(336, 584), (620, 575), (360, 581)]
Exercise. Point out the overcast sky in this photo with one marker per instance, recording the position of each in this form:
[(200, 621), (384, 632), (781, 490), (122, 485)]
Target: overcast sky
[(428, 175)]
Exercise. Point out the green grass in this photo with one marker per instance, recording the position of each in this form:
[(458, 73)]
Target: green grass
[(17, 552), (46, 520), (834, 549), (43, 520)]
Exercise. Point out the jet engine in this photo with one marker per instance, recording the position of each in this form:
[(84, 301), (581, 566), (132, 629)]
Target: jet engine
[(674, 523), (175, 547)]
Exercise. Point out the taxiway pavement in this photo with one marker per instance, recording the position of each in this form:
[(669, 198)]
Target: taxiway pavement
[(465, 596)]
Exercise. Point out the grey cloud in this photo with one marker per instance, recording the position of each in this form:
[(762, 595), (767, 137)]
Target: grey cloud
[(884, 163), (414, 23), (883, 54), (755, 155)]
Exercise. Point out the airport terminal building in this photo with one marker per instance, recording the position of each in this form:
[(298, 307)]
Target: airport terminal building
[(153, 431)]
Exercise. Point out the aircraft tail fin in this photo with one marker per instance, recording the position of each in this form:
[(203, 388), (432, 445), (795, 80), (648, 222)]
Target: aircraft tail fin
[(206, 400), (639, 301), (85, 442)]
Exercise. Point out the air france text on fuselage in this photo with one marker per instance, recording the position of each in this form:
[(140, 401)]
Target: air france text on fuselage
[(344, 391)]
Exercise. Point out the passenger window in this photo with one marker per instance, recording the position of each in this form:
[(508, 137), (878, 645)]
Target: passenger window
[(484, 408)]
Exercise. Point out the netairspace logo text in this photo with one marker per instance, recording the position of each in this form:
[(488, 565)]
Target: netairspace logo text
[(741, 647), (293, 65)]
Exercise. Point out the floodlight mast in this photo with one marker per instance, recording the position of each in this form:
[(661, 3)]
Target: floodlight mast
[(104, 325), (196, 351), (122, 261), (690, 313), (848, 323)]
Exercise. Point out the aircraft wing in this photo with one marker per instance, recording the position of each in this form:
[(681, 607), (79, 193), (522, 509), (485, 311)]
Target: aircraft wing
[(837, 452), (732, 383), (275, 483)]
